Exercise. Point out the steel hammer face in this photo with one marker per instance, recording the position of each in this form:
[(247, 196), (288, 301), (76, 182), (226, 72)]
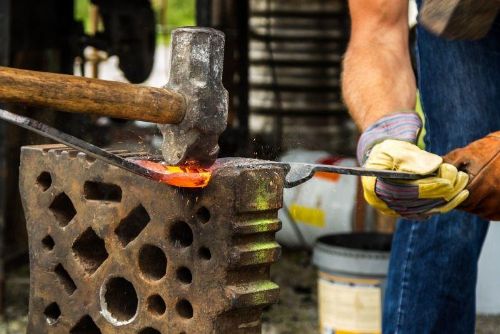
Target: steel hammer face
[(197, 57)]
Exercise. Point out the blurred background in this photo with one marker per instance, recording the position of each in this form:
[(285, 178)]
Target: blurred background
[(282, 70)]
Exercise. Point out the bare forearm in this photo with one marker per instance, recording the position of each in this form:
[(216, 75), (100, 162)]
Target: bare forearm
[(376, 82), (377, 75)]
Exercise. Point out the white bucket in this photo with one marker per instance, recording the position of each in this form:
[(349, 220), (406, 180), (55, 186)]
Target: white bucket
[(351, 281), (323, 205)]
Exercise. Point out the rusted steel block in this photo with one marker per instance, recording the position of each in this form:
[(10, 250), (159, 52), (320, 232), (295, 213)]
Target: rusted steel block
[(113, 251)]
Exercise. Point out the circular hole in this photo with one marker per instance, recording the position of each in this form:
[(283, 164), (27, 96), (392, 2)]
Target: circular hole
[(156, 305), (52, 313), (149, 330), (44, 180), (203, 215), (184, 275), (181, 234), (119, 301), (152, 262), (205, 253), (184, 309), (48, 243)]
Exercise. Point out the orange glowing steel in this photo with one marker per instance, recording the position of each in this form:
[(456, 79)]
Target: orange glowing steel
[(187, 176)]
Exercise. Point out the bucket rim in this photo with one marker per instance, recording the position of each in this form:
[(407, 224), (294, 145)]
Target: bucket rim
[(339, 241), (352, 260)]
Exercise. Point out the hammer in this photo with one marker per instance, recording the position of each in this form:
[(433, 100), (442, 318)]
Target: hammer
[(191, 110), (459, 19)]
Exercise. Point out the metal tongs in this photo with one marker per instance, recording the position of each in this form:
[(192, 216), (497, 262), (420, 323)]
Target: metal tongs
[(297, 173)]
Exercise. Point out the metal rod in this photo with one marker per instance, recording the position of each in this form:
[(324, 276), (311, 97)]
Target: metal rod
[(297, 173), (78, 144)]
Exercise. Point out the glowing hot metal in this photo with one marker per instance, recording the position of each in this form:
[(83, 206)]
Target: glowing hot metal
[(187, 176)]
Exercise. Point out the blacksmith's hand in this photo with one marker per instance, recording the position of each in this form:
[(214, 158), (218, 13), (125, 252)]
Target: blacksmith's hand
[(389, 144), (481, 160)]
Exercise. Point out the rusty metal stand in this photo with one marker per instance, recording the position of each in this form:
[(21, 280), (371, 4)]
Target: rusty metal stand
[(113, 251)]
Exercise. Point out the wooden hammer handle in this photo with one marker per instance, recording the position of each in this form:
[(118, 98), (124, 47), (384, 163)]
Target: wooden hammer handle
[(91, 96)]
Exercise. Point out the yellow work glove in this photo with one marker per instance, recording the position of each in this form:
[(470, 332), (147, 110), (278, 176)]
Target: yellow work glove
[(416, 198), (389, 145)]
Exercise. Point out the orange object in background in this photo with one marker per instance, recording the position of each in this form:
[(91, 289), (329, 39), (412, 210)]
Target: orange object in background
[(334, 177), (187, 176)]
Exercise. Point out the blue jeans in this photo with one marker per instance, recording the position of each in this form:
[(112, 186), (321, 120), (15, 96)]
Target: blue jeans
[(433, 267)]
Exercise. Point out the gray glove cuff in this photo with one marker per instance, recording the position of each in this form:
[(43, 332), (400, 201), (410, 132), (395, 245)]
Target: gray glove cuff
[(403, 126)]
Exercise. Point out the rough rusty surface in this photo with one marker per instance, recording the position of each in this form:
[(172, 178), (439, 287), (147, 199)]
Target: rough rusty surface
[(113, 251), (296, 312)]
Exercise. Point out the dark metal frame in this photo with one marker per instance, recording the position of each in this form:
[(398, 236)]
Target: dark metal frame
[(243, 13), (4, 32), (235, 25), (4, 61), (204, 13)]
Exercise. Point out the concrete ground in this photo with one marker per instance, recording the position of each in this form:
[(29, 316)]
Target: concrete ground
[(296, 312)]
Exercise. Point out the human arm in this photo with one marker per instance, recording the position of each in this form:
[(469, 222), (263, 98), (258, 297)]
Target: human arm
[(380, 91), (377, 77)]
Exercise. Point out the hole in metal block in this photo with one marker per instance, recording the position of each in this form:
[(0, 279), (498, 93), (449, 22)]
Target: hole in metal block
[(181, 234), (119, 301), (205, 253), (98, 191), (156, 305), (149, 330), (63, 209), (48, 243), (52, 313), (44, 180), (203, 215), (85, 326), (184, 275), (90, 250), (184, 309), (132, 225), (152, 262), (65, 279)]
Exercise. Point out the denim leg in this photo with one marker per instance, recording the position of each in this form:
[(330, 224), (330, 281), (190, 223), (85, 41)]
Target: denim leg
[(433, 267), (432, 275), (459, 84)]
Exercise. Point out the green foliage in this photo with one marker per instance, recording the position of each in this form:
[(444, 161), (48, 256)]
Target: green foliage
[(82, 8), (179, 13)]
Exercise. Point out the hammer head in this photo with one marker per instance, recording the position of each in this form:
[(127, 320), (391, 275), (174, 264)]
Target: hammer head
[(459, 19), (197, 57)]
